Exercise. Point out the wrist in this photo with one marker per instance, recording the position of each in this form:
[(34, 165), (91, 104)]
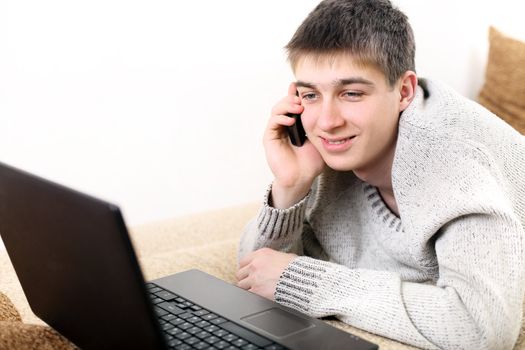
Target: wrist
[(284, 197)]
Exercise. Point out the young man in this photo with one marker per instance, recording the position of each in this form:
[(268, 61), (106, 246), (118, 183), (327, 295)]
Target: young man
[(403, 214)]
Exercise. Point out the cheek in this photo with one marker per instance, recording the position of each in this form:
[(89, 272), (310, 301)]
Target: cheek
[(379, 117)]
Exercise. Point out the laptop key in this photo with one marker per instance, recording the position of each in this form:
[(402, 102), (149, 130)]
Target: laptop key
[(182, 336), (193, 330), (221, 344), (250, 347), (166, 295), (169, 317), (221, 333), (202, 345), (201, 312), (192, 340), (174, 342), (154, 289), (167, 326), (183, 347), (185, 325), (183, 305), (156, 300), (274, 347), (185, 315), (229, 337), (173, 331), (170, 307), (177, 321), (218, 320), (211, 340), (208, 328), (194, 319), (160, 312), (246, 334), (239, 342), (204, 324), (209, 317)]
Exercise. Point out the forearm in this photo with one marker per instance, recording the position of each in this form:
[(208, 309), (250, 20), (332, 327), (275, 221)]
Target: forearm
[(366, 299), (476, 303), (279, 229), (423, 315)]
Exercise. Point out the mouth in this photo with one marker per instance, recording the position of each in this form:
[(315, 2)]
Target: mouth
[(338, 144), (338, 141)]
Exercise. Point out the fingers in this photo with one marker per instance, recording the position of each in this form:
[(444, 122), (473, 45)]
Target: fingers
[(279, 118), (244, 284), (292, 89), (246, 265), (278, 121), (242, 275), (290, 104), (245, 260), (261, 271)]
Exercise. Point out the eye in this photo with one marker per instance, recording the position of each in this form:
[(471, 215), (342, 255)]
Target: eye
[(309, 96), (353, 95)]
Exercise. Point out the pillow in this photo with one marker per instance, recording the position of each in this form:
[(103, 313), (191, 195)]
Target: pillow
[(503, 92)]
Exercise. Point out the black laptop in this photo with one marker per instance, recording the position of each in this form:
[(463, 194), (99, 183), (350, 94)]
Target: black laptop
[(78, 270)]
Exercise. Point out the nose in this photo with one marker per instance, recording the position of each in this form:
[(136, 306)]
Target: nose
[(330, 117)]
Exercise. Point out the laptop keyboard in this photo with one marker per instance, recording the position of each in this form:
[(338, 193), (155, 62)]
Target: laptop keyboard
[(189, 326)]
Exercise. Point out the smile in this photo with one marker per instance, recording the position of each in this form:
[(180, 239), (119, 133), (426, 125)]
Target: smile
[(337, 142), (338, 145)]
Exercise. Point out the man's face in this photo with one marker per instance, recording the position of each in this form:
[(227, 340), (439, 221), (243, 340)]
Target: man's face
[(350, 113)]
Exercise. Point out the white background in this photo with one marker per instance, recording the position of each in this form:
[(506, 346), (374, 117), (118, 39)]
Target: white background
[(159, 106)]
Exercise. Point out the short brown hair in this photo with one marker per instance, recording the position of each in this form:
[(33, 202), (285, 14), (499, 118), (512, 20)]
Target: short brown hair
[(372, 31)]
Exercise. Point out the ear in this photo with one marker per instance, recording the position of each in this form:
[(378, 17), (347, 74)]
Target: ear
[(407, 89)]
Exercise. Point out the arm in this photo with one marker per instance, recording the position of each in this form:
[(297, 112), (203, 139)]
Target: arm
[(280, 222), (474, 303), (278, 229), (285, 230), (270, 242)]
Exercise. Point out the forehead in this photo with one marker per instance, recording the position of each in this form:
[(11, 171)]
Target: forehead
[(325, 69)]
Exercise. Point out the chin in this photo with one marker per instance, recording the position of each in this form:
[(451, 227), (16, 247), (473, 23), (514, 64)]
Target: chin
[(340, 166)]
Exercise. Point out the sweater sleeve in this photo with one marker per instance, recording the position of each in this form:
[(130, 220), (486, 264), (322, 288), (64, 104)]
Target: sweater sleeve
[(279, 229), (476, 302)]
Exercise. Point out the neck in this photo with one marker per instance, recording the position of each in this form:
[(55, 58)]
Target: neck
[(380, 176)]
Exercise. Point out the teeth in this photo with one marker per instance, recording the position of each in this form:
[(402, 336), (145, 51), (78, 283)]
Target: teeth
[(336, 142)]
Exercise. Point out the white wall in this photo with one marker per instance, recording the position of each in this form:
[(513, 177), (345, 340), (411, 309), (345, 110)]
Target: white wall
[(159, 106)]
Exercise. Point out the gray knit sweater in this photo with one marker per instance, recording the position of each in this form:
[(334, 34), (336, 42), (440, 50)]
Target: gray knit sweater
[(449, 271)]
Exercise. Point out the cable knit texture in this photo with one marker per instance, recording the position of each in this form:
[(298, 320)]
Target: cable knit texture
[(449, 271)]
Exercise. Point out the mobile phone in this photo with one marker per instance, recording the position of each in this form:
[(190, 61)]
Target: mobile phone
[(296, 131)]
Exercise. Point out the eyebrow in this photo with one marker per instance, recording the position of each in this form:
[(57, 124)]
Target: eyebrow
[(337, 82)]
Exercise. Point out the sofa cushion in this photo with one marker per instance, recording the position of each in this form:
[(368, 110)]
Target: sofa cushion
[(503, 92)]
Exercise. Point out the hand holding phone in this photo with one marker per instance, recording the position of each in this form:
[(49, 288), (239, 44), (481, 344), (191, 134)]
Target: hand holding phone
[(296, 131), (294, 168)]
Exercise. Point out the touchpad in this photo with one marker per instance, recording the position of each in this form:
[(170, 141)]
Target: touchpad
[(278, 322)]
